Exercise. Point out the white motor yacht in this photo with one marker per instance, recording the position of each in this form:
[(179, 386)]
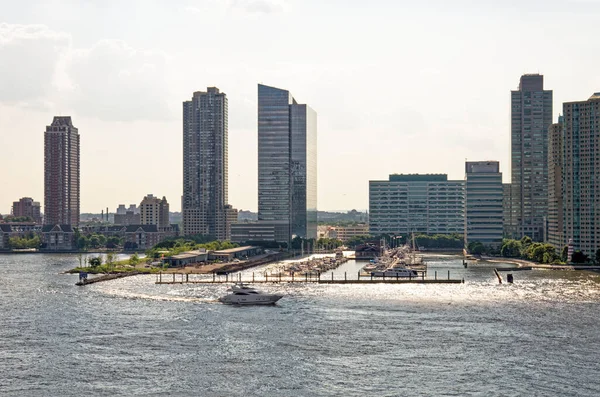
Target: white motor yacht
[(242, 294), (396, 272)]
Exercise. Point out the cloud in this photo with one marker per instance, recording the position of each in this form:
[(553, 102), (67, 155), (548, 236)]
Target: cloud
[(29, 57), (258, 6), (39, 68), (113, 81)]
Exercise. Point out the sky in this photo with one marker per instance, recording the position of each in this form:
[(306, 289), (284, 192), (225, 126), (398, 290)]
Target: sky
[(398, 86)]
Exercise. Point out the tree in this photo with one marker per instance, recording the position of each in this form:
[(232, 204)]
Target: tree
[(476, 248), (23, 242), (95, 262), (358, 240), (134, 260), (94, 241), (579, 257), (113, 242), (110, 260), (564, 253), (598, 256), (511, 249), (526, 240)]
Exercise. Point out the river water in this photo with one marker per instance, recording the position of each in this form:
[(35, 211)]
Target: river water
[(130, 337)]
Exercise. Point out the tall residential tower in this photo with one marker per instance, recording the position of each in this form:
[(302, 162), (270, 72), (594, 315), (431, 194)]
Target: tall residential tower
[(287, 163), (205, 165), (61, 173), (575, 183), (531, 115)]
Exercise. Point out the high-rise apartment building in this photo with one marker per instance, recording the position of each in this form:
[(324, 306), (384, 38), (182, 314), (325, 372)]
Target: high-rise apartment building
[(531, 115), (26, 207), (575, 183), (61, 173), (205, 165), (287, 163), (484, 202), (555, 195), (154, 211), (509, 224), (428, 204)]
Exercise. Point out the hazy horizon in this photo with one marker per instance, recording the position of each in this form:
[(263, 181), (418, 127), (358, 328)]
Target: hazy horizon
[(398, 87)]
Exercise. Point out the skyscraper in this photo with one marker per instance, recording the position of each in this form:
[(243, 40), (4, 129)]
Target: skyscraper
[(205, 165), (555, 195), (61, 173), (287, 163), (575, 156), (531, 115), (484, 202)]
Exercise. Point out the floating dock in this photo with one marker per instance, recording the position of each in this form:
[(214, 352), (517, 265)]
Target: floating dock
[(184, 278)]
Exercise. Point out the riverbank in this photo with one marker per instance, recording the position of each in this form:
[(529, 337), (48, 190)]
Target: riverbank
[(534, 265), (219, 268)]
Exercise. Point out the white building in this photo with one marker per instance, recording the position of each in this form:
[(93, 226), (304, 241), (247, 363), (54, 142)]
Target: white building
[(428, 204), (484, 199)]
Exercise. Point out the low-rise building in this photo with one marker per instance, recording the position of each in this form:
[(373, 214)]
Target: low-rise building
[(17, 229), (235, 253), (260, 231), (58, 238), (26, 207), (345, 233), (154, 211), (366, 251), (141, 237), (128, 218), (187, 258)]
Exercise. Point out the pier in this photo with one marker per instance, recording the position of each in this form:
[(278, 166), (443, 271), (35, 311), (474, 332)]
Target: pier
[(184, 278)]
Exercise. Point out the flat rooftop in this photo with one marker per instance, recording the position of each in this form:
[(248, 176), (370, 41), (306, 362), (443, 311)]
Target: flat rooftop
[(235, 250)]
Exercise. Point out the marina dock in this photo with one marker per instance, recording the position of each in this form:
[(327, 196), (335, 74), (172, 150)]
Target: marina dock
[(184, 278)]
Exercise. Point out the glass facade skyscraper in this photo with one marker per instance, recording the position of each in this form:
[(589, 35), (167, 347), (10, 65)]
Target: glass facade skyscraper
[(287, 163), (531, 115)]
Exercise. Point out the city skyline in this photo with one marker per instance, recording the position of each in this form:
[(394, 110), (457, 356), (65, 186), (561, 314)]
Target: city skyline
[(125, 88)]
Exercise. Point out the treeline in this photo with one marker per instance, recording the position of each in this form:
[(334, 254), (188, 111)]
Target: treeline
[(189, 243), (542, 253), (440, 241), (28, 241), (95, 241)]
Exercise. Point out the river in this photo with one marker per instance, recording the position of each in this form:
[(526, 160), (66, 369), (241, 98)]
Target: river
[(130, 337)]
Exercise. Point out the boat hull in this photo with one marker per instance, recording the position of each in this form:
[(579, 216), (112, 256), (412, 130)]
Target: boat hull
[(250, 300), (394, 274)]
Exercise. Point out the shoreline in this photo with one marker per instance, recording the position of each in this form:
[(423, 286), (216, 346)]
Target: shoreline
[(229, 267), (534, 265)]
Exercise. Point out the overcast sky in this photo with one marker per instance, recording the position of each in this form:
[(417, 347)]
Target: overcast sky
[(398, 86)]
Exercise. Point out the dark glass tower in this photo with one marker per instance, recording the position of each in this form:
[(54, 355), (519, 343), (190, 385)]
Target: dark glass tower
[(287, 163)]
